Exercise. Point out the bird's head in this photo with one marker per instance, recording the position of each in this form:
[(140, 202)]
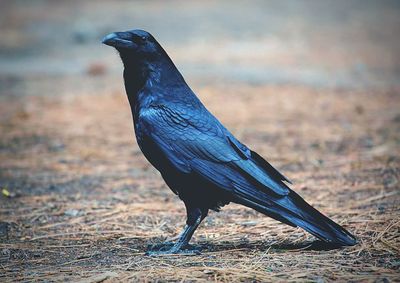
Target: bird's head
[(143, 57), (134, 43)]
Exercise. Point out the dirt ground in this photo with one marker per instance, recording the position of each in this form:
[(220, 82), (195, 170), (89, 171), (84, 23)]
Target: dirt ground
[(312, 86)]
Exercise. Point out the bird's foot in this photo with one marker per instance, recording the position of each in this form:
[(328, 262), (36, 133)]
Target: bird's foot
[(172, 249)]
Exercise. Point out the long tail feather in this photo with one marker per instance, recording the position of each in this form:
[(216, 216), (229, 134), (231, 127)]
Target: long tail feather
[(293, 210)]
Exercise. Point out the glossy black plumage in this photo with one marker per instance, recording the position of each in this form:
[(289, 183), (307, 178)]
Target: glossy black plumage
[(200, 160)]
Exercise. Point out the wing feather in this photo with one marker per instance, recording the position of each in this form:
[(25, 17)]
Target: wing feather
[(197, 142)]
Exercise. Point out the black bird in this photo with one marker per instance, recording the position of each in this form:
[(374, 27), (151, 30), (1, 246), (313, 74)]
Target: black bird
[(199, 159)]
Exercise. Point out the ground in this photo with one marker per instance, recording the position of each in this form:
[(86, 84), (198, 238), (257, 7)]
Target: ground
[(317, 95)]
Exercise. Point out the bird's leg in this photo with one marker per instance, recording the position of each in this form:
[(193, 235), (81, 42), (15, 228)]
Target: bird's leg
[(194, 218)]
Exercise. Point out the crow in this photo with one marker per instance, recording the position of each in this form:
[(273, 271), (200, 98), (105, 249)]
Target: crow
[(198, 158)]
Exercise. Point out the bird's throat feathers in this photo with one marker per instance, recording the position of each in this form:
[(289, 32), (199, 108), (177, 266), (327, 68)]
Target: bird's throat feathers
[(141, 73)]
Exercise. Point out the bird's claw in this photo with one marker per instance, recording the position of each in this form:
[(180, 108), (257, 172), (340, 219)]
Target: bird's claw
[(171, 249)]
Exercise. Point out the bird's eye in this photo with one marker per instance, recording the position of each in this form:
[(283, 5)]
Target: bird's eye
[(139, 39)]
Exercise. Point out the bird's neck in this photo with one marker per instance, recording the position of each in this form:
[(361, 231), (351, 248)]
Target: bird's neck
[(143, 75)]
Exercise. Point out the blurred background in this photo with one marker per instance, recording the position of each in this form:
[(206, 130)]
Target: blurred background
[(314, 86), (317, 43)]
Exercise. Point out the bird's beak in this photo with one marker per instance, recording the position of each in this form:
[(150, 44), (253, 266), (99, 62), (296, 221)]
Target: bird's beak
[(119, 40)]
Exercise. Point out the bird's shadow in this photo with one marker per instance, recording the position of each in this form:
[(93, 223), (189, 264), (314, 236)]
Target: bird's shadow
[(206, 246), (316, 245)]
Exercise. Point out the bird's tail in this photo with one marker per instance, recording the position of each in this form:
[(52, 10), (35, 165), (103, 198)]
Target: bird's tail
[(293, 210)]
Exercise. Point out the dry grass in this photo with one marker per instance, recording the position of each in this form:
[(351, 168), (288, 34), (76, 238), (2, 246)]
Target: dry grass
[(85, 204)]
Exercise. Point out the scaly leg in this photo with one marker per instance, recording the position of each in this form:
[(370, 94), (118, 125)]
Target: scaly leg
[(194, 218)]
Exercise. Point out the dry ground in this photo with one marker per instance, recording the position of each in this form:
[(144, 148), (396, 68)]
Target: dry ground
[(87, 203), (313, 86)]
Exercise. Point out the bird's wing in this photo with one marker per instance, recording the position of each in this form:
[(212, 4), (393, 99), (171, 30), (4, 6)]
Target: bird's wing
[(194, 141)]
